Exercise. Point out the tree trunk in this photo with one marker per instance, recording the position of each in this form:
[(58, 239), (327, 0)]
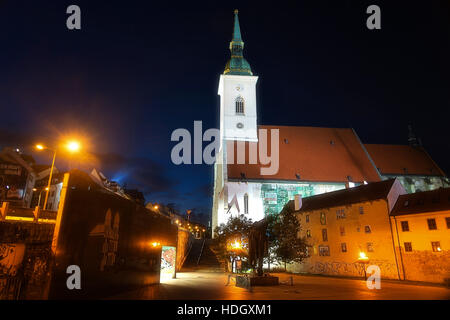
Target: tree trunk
[(285, 269)]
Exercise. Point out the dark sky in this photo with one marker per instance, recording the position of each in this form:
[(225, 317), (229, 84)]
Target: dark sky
[(138, 70)]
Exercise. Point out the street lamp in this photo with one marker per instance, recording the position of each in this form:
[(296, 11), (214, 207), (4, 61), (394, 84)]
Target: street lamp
[(72, 146), (363, 259)]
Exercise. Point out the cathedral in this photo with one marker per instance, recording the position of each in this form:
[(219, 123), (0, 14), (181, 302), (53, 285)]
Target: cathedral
[(310, 160)]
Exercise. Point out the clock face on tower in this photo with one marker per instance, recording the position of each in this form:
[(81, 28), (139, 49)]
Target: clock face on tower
[(239, 87), (240, 125)]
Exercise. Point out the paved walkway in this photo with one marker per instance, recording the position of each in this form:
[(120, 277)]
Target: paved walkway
[(211, 286)]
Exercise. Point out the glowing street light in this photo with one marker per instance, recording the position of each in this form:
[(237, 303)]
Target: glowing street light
[(363, 259), (363, 256), (72, 146), (155, 244)]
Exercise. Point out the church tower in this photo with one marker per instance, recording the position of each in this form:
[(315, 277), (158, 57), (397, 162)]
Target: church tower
[(237, 90)]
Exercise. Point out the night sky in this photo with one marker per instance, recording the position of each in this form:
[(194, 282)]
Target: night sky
[(138, 70)]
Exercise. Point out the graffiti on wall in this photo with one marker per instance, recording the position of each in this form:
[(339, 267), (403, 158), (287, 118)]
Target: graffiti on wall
[(11, 256), (352, 269), (109, 231)]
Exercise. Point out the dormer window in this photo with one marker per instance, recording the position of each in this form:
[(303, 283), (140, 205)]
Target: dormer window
[(239, 105)]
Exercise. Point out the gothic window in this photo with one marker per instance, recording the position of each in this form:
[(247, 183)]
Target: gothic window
[(246, 203), (239, 105)]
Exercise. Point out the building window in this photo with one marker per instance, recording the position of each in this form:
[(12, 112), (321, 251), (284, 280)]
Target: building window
[(448, 222), (408, 246), (324, 235), (246, 203), (367, 229), (343, 247), (340, 214), (405, 226), (432, 224), (324, 250), (369, 247), (342, 231), (307, 218), (323, 218), (239, 105), (436, 246), (361, 210), (308, 233)]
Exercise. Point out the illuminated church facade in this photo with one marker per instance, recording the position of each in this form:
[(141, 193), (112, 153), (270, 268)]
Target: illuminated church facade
[(311, 160)]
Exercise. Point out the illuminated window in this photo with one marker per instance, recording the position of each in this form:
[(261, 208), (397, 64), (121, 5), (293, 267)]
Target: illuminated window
[(431, 224), (324, 235), (239, 105), (367, 229), (308, 233), (307, 218), (342, 230), (408, 246), (246, 203), (436, 246), (343, 247), (369, 247), (405, 226), (324, 250)]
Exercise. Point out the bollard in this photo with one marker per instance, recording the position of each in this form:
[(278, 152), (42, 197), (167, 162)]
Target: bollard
[(36, 213)]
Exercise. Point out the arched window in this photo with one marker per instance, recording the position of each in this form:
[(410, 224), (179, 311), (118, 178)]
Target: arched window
[(246, 203), (239, 105)]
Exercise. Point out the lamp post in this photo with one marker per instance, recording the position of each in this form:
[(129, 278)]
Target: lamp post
[(72, 146), (40, 195)]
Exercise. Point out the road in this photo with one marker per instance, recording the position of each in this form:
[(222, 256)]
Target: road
[(211, 286)]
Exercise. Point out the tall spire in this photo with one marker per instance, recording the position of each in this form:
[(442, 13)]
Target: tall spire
[(237, 29), (237, 65)]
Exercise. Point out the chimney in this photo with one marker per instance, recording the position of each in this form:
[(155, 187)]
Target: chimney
[(298, 202)]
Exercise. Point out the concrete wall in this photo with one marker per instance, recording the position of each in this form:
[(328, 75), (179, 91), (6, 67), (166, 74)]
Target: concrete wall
[(110, 238)]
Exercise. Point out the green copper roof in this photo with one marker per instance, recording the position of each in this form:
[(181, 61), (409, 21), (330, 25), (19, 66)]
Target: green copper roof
[(237, 65)]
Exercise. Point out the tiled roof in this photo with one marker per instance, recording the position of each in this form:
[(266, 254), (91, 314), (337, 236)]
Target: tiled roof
[(422, 202), (402, 160), (314, 154), (368, 192)]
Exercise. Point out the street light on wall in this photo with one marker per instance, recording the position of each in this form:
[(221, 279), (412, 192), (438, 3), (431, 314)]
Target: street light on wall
[(363, 259)]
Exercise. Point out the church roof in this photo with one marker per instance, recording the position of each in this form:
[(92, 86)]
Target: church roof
[(422, 202), (369, 192), (237, 65), (402, 160), (312, 154)]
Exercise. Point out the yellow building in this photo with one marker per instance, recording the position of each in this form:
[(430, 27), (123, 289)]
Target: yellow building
[(421, 224), (341, 226), (406, 235)]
